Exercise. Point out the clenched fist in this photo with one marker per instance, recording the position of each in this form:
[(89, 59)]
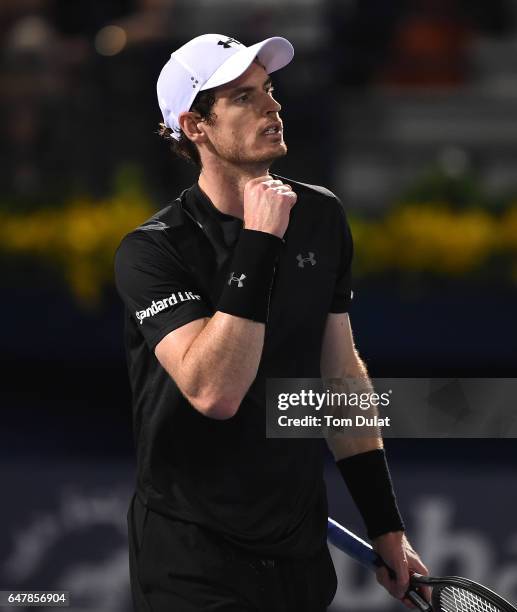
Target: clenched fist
[(267, 204)]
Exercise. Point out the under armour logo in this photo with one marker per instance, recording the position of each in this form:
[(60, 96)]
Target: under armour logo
[(303, 260), (228, 42), (239, 279)]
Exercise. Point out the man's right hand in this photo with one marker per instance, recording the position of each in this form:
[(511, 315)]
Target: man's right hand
[(267, 204)]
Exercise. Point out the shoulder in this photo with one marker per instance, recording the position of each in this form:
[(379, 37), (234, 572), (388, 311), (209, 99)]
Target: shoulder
[(169, 217), (316, 194), (148, 252), (155, 233), (311, 190)]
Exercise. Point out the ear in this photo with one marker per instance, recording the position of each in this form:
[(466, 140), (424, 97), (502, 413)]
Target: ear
[(192, 126)]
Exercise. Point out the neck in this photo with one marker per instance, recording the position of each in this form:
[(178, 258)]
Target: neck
[(224, 185)]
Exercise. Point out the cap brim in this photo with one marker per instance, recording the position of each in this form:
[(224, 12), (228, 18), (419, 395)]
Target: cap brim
[(273, 53)]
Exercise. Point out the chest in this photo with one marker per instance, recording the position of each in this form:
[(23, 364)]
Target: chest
[(305, 273), (305, 280)]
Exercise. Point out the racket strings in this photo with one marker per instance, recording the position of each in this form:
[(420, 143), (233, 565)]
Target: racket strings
[(454, 599)]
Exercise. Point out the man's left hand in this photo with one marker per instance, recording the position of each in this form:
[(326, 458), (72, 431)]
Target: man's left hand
[(399, 555)]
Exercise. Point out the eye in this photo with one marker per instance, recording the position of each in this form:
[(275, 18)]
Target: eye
[(242, 98), (270, 90)]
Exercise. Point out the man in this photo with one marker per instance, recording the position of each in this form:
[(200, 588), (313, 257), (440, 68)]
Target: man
[(243, 277)]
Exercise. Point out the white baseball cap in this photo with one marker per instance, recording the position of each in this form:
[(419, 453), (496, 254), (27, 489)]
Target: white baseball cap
[(208, 61)]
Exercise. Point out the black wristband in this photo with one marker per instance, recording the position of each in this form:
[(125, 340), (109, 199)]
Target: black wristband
[(247, 290), (368, 479)]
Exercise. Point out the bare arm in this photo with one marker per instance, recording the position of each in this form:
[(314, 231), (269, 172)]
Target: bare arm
[(340, 359), (214, 361)]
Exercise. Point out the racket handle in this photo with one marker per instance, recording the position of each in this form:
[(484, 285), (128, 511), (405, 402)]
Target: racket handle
[(411, 593), (363, 553), (419, 601)]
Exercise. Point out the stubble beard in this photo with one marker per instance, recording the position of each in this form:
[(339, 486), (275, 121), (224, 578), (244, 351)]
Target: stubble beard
[(242, 158)]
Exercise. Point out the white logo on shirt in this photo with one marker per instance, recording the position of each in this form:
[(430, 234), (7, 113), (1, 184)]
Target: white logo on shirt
[(155, 225), (303, 260), (239, 279), (159, 305)]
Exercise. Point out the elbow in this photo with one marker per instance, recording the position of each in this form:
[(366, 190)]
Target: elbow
[(218, 408)]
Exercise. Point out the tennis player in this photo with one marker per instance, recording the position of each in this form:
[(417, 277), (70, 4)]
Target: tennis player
[(243, 277)]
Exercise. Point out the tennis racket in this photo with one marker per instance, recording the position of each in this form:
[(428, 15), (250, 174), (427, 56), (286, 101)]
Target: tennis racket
[(449, 593)]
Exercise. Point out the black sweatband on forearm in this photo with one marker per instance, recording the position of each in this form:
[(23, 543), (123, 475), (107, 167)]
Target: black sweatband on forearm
[(368, 479), (247, 290)]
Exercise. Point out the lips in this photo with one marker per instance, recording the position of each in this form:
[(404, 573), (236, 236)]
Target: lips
[(273, 128)]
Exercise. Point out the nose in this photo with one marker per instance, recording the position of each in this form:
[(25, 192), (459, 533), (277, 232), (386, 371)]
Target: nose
[(273, 106), (277, 105)]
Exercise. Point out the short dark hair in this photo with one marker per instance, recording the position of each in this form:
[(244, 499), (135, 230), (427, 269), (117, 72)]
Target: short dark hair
[(185, 148)]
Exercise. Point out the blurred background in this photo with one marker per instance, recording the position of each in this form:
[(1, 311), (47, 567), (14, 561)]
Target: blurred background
[(407, 109)]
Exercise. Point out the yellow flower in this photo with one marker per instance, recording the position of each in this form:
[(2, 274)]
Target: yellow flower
[(80, 238)]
